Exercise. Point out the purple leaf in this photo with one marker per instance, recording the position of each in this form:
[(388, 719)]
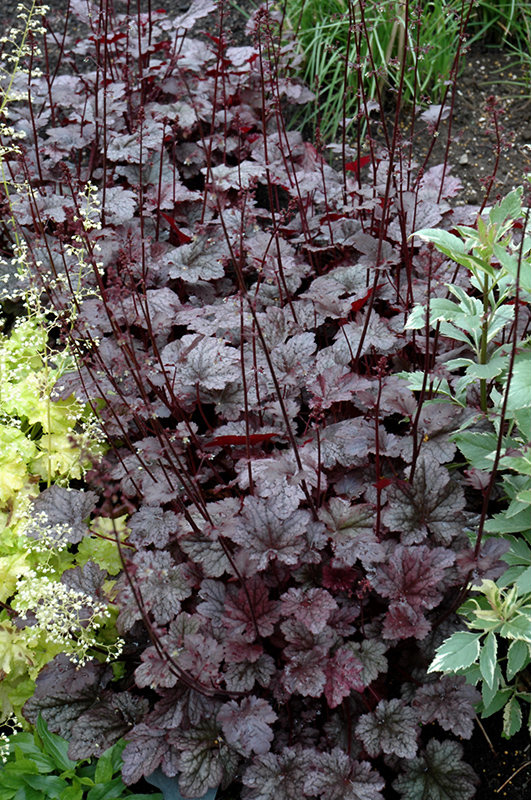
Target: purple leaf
[(304, 673), (151, 525), (339, 777), (197, 10), (155, 670), (203, 259), (205, 761), (102, 725), (371, 654), (351, 530), (449, 701), (312, 607), (61, 513), (242, 676), (146, 749), (249, 611), (247, 725), (87, 580), (391, 728), (279, 776), (411, 580), (438, 773), (432, 503), (343, 675), (196, 360), (267, 536), (159, 582), (64, 690)]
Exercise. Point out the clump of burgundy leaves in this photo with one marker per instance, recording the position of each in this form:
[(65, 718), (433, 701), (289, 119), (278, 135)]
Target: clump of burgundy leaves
[(295, 536)]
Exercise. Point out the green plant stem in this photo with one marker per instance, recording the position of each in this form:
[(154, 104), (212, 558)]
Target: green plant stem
[(484, 339)]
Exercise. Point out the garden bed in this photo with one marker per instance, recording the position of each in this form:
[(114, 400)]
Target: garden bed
[(296, 548)]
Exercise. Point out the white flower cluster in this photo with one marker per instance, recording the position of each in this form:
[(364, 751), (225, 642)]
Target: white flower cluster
[(67, 617), (19, 39), (13, 725)]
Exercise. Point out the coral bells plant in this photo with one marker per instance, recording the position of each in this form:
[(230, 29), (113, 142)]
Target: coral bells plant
[(295, 540)]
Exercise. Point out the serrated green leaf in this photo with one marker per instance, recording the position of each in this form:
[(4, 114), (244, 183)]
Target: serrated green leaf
[(510, 208), (502, 524), (498, 701), (520, 387), (488, 371), (523, 582), (512, 718), (519, 627), (519, 552), (471, 674), (477, 447), (523, 420), (488, 658), (488, 693), (458, 652), (442, 239), (518, 656)]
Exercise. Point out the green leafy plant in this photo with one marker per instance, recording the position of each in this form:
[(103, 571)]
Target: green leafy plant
[(37, 767), (44, 442), (494, 260), (494, 652)]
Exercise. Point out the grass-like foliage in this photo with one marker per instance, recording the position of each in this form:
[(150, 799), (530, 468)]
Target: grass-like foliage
[(354, 52), (296, 545)]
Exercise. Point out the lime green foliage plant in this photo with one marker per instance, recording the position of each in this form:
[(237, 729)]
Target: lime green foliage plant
[(43, 442), (37, 767)]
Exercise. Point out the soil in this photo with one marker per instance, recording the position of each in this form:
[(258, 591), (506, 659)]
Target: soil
[(505, 771)]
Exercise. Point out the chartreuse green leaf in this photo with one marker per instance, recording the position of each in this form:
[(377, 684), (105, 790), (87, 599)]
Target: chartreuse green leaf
[(72, 793), (458, 652)]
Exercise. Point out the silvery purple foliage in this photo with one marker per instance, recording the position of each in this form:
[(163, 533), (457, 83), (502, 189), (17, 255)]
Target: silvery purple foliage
[(291, 518)]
